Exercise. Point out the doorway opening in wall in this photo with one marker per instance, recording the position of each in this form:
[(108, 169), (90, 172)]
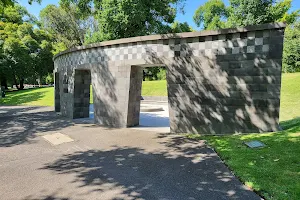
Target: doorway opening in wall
[(148, 98), (83, 107), (57, 92)]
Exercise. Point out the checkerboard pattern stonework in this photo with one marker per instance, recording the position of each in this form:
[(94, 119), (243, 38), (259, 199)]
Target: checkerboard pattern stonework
[(219, 82), (234, 43)]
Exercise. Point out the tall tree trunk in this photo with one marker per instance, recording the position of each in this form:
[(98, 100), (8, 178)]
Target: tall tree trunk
[(4, 82), (21, 83), (16, 83)]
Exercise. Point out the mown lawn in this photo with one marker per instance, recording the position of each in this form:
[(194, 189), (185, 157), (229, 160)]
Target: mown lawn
[(32, 97), (154, 88)]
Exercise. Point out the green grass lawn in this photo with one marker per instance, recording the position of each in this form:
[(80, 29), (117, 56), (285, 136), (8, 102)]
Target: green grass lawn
[(154, 88), (33, 97), (290, 96)]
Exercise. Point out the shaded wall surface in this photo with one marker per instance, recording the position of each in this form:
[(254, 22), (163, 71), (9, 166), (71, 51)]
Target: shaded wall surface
[(219, 82)]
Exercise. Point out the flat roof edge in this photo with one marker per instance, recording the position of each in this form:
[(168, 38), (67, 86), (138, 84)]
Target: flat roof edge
[(276, 25)]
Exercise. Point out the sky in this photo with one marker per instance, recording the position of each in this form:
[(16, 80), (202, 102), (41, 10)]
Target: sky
[(189, 9)]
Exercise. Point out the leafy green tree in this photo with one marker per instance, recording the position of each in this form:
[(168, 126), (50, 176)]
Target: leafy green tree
[(25, 50), (126, 18), (214, 14), (6, 3), (244, 12), (17, 14), (17, 59), (291, 50), (65, 23), (178, 27), (211, 15)]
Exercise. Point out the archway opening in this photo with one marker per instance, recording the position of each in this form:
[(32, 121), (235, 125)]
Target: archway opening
[(148, 98), (57, 92), (82, 94)]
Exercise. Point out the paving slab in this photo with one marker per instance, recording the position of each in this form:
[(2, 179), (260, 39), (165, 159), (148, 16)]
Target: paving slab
[(57, 138), (105, 164)]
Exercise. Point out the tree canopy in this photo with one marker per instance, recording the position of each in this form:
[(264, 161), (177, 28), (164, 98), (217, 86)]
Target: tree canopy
[(291, 50), (211, 15), (25, 50), (65, 23), (214, 14), (126, 18)]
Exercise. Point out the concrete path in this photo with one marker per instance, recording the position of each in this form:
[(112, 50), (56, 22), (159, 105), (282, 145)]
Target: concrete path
[(105, 163)]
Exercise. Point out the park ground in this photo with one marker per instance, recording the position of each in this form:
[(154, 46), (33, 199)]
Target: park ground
[(273, 171)]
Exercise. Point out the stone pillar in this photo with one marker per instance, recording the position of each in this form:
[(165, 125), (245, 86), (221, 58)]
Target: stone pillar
[(111, 93), (135, 90)]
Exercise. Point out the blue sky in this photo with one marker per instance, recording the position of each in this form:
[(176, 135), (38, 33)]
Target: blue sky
[(189, 9)]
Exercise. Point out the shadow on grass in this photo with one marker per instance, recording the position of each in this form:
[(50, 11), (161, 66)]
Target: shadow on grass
[(291, 126), (20, 124), (23, 96)]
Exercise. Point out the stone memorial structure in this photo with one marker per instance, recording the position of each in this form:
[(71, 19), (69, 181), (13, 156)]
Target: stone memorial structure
[(219, 82)]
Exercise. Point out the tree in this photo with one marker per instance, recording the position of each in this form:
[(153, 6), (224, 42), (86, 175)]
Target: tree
[(6, 3), (214, 15), (243, 12), (126, 18), (178, 27), (65, 23), (291, 50), (17, 14), (211, 15), (25, 50)]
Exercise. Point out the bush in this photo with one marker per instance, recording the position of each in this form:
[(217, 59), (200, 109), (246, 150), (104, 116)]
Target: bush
[(291, 50), (49, 79), (161, 75), (154, 73)]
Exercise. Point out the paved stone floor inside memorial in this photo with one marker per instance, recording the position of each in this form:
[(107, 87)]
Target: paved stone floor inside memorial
[(156, 120)]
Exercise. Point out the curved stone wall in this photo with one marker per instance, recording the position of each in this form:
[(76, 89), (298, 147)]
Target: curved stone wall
[(219, 82)]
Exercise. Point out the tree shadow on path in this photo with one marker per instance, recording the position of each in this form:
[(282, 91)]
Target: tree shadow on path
[(19, 124), (181, 170)]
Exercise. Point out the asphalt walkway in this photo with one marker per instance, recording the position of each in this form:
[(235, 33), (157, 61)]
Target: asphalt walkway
[(104, 164)]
